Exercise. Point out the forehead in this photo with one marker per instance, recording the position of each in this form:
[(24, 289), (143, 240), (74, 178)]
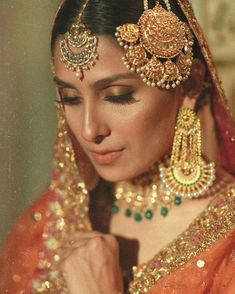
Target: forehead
[(109, 62)]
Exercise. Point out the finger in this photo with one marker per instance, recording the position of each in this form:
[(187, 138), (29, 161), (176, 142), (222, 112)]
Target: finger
[(65, 254), (75, 243), (83, 235), (111, 242), (79, 251), (95, 242)]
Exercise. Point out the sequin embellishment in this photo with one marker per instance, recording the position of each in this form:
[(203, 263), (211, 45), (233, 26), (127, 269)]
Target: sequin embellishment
[(207, 228)]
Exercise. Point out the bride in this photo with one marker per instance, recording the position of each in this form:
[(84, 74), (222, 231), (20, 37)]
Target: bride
[(141, 198)]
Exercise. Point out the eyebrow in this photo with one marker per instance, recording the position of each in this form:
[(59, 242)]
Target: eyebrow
[(61, 83), (100, 83)]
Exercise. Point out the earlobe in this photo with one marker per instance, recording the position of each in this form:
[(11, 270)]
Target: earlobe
[(192, 87), (188, 102)]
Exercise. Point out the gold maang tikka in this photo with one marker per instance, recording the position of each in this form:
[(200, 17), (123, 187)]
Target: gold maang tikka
[(79, 47), (158, 47)]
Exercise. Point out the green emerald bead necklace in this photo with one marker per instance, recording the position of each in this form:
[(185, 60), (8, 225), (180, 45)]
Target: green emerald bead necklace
[(141, 197), (141, 201)]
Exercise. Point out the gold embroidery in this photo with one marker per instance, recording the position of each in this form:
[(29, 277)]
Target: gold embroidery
[(16, 278), (232, 256), (37, 216), (206, 229), (67, 213)]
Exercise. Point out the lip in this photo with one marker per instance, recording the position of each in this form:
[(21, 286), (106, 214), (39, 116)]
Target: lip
[(104, 157)]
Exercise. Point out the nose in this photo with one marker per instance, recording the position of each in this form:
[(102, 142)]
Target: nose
[(94, 126)]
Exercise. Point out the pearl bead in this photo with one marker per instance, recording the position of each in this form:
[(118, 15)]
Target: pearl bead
[(201, 263)]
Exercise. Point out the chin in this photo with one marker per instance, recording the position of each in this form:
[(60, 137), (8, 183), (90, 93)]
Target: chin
[(117, 174), (112, 176)]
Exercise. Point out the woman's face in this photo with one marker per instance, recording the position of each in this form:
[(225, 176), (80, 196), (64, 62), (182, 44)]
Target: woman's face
[(122, 125)]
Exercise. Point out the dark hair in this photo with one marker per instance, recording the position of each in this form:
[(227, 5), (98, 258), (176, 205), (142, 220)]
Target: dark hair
[(102, 16)]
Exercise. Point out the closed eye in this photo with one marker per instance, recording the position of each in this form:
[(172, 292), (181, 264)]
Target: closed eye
[(70, 100), (126, 98)]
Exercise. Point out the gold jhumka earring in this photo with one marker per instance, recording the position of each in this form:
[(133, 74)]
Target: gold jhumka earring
[(79, 47), (188, 175), (158, 47)]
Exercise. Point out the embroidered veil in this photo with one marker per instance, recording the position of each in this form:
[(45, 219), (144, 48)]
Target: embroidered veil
[(64, 206)]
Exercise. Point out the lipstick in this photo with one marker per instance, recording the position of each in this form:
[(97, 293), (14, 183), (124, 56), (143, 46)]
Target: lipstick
[(105, 157)]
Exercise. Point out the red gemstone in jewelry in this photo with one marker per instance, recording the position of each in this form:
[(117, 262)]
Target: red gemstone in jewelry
[(48, 255), (55, 174), (158, 264), (220, 202), (57, 194), (40, 273), (197, 239)]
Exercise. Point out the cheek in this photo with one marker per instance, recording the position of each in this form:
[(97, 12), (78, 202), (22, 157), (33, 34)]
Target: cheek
[(150, 125), (145, 127), (73, 118)]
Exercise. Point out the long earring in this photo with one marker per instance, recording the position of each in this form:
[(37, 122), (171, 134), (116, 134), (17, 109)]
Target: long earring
[(188, 175)]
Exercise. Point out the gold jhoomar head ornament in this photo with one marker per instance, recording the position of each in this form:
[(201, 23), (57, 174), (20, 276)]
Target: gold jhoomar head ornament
[(79, 47), (158, 47), (188, 175)]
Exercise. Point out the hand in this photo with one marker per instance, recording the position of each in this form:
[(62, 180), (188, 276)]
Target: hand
[(90, 264)]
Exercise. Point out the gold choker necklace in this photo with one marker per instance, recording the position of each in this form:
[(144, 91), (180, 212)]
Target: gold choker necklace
[(142, 197)]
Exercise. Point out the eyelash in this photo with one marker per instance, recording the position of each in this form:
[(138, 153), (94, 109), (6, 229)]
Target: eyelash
[(70, 100), (126, 98)]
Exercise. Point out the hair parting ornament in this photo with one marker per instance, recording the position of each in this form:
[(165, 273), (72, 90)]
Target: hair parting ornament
[(79, 47), (158, 47)]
